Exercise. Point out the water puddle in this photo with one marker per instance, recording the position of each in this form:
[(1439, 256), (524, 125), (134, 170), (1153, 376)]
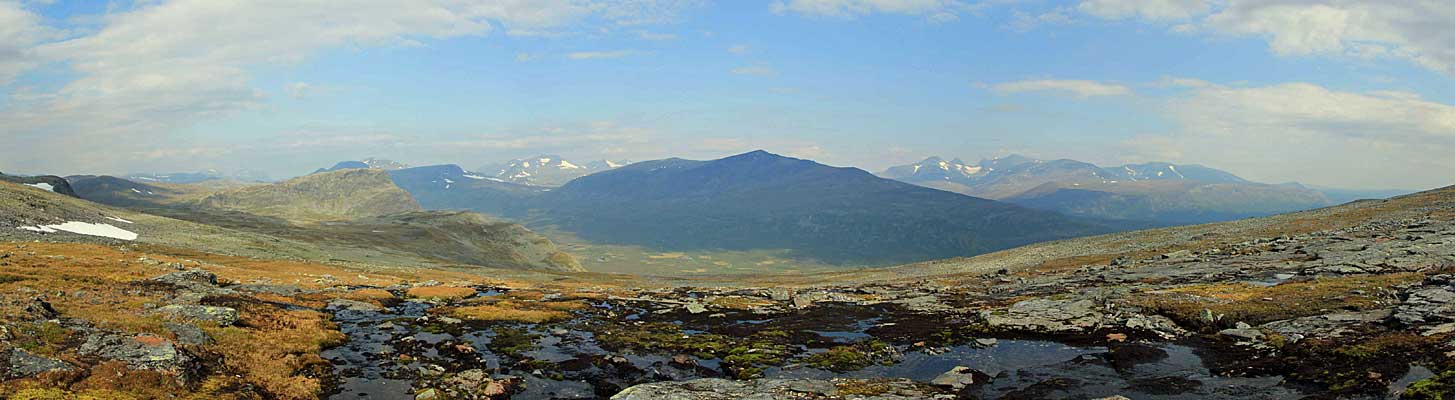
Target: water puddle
[(567, 362)]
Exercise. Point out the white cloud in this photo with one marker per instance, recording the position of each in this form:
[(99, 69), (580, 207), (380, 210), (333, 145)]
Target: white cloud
[(590, 55), (933, 10), (649, 35), (1078, 88), (145, 72), (20, 30), (1415, 30), (1023, 21), (755, 70), (739, 49), (1145, 9), (1305, 132)]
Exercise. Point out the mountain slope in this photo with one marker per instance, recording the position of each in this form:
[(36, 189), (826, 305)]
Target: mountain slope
[(763, 201), (545, 170), (338, 195), (43, 182), (367, 163), (1159, 192), (448, 186)]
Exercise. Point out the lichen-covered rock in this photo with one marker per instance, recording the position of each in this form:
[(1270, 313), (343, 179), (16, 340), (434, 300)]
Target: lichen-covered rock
[(1328, 326), (20, 364), (139, 352), (222, 316), (352, 305), (1427, 306), (188, 334), (960, 377), (1048, 316)]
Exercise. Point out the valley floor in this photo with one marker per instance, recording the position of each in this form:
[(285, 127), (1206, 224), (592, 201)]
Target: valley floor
[(1358, 305)]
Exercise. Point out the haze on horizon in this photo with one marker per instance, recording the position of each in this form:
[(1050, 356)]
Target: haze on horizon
[(1341, 93)]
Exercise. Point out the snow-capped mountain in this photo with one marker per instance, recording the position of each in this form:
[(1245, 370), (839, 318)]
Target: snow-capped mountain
[(1156, 191), (546, 170), (367, 163)]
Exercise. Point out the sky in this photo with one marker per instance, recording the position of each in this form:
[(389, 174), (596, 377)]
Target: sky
[(1340, 93)]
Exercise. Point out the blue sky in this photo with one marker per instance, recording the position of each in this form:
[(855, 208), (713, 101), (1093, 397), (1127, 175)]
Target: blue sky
[(1336, 93)]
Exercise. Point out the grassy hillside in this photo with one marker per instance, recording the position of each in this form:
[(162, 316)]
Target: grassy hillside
[(329, 196)]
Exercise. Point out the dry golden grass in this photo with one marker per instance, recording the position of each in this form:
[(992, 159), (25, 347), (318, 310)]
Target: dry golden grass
[(369, 294), (1240, 302), (440, 292), (277, 350)]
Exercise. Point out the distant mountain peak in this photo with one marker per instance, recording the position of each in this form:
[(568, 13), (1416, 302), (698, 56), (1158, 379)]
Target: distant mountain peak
[(546, 170)]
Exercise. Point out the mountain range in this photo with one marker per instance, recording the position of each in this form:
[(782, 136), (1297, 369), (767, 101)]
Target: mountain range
[(1156, 192), (756, 200), (352, 214), (200, 176), (546, 170)]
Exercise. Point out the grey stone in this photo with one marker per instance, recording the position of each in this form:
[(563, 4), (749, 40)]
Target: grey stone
[(1048, 316), (222, 316), (1250, 335), (138, 352), (958, 378), (188, 334), (352, 305), (21, 364)]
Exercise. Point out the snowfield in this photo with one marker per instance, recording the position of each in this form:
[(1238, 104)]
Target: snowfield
[(85, 228)]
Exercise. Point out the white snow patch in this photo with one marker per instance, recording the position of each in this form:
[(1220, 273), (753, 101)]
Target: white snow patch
[(567, 165), (610, 164), (448, 180), (85, 228), (118, 219), (43, 186), (473, 176), (134, 190)]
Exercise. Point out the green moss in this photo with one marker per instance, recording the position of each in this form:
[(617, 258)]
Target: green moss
[(45, 338), (512, 342), (742, 357), (840, 359), (853, 357), (1438, 387)]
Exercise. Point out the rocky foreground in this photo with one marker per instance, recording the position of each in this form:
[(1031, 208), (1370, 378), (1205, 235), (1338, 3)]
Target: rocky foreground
[(1362, 311)]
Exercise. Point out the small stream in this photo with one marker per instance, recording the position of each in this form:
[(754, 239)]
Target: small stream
[(389, 351)]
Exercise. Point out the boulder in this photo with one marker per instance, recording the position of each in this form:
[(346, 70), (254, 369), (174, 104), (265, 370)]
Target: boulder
[(139, 352), (352, 305), (22, 364), (1048, 316), (222, 316), (1427, 306), (959, 378), (188, 334)]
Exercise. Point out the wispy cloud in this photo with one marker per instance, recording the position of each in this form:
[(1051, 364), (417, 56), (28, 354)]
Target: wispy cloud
[(1417, 31), (1078, 88), (755, 70), (649, 35), (739, 49), (590, 55)]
